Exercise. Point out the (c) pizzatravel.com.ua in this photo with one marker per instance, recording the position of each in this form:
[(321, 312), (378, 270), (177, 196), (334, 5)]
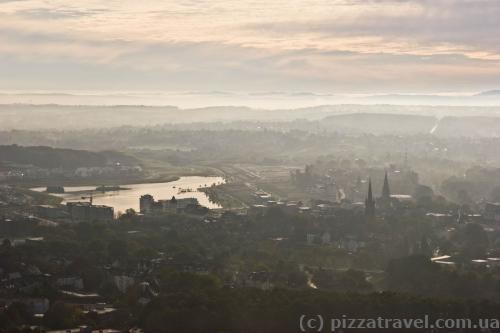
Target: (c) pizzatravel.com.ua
[(319, 323)]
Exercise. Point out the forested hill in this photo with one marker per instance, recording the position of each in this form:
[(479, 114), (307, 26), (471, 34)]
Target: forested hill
[(46, 157), (379, 123), (84, 117)]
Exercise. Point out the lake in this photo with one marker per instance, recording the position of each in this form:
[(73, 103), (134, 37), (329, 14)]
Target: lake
[(124, 199)]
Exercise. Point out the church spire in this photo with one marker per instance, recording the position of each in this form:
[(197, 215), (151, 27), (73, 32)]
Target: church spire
[(386, 192), (369, 202), (370, 193)]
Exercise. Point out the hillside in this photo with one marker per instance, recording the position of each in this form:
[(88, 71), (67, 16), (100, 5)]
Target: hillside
[(46, 157), (469, 126), (67, 117)]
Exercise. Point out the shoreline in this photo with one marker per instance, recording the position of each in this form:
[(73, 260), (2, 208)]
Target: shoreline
[(108, 182), (119, 187)]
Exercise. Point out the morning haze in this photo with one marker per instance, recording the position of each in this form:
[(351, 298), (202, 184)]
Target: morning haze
[(249, 166)]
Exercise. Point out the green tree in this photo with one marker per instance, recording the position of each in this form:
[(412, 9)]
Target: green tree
[(62, 316)]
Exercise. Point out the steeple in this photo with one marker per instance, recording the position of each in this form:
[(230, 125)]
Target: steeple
[(370, 193), (369, 202), (386, 192)]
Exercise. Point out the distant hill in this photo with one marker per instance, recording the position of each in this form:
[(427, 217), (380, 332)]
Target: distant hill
[(469, 126), (490, 93), (379, 123), (63, 117), (46, 157)]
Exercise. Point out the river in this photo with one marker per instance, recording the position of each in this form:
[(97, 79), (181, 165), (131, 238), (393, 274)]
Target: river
[(129, 198)]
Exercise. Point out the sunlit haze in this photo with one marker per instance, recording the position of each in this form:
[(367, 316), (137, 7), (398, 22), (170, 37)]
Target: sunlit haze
[(258, 53)]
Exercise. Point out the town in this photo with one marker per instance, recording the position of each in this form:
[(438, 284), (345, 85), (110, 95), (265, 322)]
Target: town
[(72, 262)]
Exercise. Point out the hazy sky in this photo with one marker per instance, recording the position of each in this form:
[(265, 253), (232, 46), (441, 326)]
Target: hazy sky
[(322, 46)]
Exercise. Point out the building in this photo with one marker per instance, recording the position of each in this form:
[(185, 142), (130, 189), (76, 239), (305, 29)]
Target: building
[(50, 211), (370, 203), (85, 211), (260, 280), (148, 205), (34, 305), (257, 210), (72, 282), (385, 200), (55, 189), (492, 211), (123, 282), (386, 191), (176, 205), (350, 244), (326, 238), (311, 239)]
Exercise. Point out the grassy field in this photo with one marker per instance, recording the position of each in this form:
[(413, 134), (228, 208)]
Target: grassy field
[(40, 198)]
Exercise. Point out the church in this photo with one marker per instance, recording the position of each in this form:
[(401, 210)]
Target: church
[(385, 202)]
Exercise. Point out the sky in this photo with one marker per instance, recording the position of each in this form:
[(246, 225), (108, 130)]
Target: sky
[(317, 47)]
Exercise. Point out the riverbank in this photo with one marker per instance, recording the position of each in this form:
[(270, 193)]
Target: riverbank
[(97, 183)]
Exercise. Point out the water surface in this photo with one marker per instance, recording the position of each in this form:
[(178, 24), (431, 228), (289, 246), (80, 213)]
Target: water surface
[(124, 199)]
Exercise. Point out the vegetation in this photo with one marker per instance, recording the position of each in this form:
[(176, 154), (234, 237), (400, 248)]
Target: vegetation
[(47, 157)]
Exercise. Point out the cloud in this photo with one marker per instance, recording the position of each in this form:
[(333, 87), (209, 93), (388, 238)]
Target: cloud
[(211, 66), (220, 45), (419, 27), (58, 13)]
